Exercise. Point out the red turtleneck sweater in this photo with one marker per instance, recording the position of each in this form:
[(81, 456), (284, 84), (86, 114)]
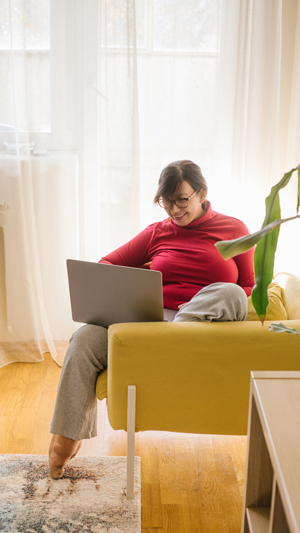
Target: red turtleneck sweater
[(186, 256)]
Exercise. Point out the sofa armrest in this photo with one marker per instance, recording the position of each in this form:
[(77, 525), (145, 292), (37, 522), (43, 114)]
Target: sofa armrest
[(291, 294), (192, 377)]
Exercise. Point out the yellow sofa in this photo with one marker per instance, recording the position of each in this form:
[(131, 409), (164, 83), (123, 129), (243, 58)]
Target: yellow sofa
[(195, 377)]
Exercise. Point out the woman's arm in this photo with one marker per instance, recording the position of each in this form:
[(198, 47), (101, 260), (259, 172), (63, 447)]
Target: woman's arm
[(134, 253)]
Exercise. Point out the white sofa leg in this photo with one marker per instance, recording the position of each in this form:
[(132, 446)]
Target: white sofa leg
[(131, 405)]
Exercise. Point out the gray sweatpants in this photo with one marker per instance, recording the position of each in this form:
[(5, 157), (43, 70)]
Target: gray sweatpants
[(75, 413)]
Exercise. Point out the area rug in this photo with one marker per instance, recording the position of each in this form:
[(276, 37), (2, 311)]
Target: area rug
[(90, 498)]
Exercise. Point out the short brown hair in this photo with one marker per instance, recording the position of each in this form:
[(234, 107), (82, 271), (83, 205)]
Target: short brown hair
[(174, 174)]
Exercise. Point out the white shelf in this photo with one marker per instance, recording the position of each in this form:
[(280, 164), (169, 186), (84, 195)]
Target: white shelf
[(272, 485), (258, 519)]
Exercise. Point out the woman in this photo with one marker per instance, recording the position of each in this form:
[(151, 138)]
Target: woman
[(196, 280)]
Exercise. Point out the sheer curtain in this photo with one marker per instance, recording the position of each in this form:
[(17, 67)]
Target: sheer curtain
[(24, 322), (110, 91), (248, 101)]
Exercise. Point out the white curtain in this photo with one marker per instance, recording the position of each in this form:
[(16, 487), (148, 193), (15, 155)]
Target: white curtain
[(24, 324), (110, 91)]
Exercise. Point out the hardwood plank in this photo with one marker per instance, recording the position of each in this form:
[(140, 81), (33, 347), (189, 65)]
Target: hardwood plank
[(220, 443), (238, 446), (52, 377), (187, 468), (213, 523), (173, 519), (41, 432), (92, 447), (17, 391), (204, 453), (115, 442), (191, 511), (152, 530), (224, 468), (150, 462), (231, 505), (152, 514), (23, 432), (168, 477), (167, 450), (209, 493), (35, 385), (8, 425), (171, 495), (7, 376)]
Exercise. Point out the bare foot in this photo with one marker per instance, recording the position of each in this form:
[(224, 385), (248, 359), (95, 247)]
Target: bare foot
[(61, 450)]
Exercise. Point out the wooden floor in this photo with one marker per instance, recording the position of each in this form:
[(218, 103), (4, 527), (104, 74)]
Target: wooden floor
[(190, 483)]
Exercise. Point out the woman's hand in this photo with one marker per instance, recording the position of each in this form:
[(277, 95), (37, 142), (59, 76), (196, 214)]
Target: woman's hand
[(181, 305)]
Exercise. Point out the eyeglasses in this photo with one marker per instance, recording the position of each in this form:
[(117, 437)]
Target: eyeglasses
[(180, 202)]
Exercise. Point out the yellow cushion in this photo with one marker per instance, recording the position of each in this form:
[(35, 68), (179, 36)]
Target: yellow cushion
[(291, 294), (275, 310)]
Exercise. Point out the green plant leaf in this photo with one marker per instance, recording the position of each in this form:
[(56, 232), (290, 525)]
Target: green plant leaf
[(282, 328), (264, 255), (266, 240), (229, 249)]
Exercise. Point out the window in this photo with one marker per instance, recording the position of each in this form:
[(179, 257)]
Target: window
[(163, 25), (195, 29), (25, 29)]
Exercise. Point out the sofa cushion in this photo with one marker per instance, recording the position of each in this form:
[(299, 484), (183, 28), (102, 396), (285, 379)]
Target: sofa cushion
[(291, 293), (275, 310)]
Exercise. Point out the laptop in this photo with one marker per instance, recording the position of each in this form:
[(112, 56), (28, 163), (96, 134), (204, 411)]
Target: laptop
[(103, 294)]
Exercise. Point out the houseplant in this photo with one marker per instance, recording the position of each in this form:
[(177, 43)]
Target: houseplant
[(266, 240)]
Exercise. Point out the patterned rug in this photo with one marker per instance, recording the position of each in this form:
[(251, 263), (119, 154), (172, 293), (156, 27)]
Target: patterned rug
[(90, 498)]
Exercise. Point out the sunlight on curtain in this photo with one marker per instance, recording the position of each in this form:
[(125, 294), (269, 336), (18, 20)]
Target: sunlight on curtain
[(258, 101), (162, 113), (23, 56), (110, 92), (247, 120), (293, 155), (288, 252)]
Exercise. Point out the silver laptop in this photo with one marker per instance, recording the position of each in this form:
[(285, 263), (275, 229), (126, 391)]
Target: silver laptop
[(107, 294)]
